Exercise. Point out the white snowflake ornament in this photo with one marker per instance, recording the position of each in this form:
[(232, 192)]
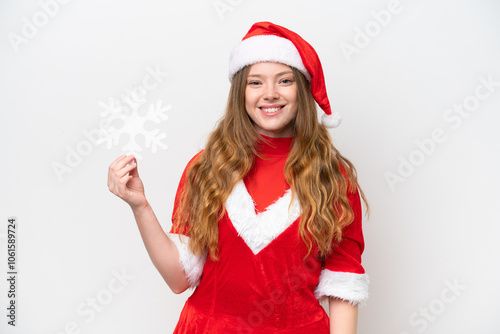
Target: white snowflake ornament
[(129, 121)]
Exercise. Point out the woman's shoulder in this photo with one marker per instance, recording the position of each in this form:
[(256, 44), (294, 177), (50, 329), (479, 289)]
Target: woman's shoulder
[(191, 162), (195, 157)]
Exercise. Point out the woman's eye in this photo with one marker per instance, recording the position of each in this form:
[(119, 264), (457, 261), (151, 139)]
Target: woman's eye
[(286, 81), (253, 83)]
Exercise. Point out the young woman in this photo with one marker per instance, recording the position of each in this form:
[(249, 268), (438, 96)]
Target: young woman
[(267, 218)]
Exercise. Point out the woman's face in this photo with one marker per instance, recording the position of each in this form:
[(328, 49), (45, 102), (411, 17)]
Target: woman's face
[(271, 98)]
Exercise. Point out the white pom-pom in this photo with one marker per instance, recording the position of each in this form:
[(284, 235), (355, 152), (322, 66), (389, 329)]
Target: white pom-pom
[(331, 121)]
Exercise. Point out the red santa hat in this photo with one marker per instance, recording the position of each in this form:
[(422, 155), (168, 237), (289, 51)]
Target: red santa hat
[(266, 41)]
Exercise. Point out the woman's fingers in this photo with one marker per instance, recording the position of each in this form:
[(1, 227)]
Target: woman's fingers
[(122, 161), (121, 165), (125, 170), (118, 175), (117, 160), (134, 171), (124, 181)]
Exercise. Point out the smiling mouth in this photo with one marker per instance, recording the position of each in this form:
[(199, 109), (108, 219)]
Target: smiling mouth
[(271, 110)]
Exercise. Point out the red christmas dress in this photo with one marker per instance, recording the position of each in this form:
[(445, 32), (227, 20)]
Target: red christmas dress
[(261, 283)]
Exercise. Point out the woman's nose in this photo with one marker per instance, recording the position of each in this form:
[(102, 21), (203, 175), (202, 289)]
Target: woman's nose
[(271, 93)]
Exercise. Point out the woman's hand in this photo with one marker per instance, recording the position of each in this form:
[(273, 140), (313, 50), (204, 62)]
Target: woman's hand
[(124, 181)]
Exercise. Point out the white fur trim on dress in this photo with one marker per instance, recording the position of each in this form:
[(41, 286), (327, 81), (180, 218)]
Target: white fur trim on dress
[(346, 286), (190, 263), (262, 48), (258, 230)]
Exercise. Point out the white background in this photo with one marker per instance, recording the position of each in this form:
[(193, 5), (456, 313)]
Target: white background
[(436, 226)]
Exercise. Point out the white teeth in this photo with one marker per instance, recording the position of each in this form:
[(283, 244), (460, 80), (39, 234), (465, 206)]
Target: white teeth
[(270, 110)]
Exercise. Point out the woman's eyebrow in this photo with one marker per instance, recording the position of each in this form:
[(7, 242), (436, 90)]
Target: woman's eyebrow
[(277, 74)]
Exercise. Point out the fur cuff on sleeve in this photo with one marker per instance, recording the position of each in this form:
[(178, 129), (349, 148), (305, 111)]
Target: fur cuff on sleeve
[(346, 286), (192, 264)]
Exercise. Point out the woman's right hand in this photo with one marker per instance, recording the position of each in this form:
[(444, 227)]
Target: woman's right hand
[(124, 181)]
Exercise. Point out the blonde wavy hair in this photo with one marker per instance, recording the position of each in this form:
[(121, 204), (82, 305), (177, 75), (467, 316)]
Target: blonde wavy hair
[(317, 173)]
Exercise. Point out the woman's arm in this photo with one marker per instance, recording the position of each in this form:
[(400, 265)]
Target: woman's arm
[(343, 317), (124, 182), (161, 249)]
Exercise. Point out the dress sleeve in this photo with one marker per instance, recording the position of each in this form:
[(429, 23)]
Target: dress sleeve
[(190, 263), (342, 275)]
